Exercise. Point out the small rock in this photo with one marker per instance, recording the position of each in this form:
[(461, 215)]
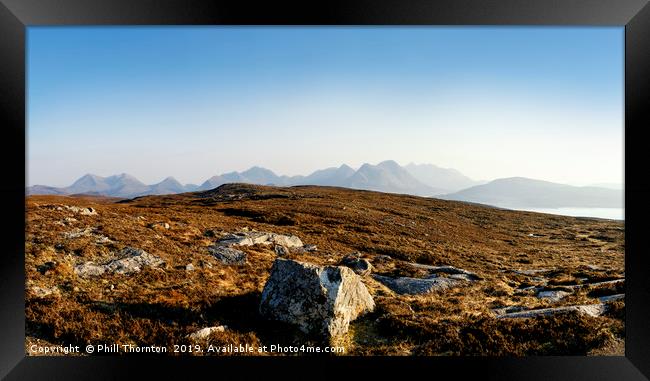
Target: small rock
[(78, 233), (610, 298), (317, 299), (42, 292), (159, 225), (131, 261), (281, 250), (553, 296), (310, 248), (227, 255), (593, 310), (359, 265), (235, 240), (88, 212), (416, 286), (204, 333), (189, 267), (285, 240), (455, 272), (102, 239), (89, 269)]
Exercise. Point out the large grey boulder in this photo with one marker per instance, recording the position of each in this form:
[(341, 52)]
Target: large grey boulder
[(319, 300), (416, 286)]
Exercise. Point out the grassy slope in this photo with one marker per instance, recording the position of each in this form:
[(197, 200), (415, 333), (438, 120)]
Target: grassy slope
[(161, 306)]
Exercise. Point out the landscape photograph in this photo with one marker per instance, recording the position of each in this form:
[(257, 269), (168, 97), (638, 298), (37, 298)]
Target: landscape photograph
[(325, 191)]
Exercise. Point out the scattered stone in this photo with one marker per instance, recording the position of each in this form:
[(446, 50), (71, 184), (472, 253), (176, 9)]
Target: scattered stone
[(228, 255), (102, 239), (455, 272), (594, 284), (609, 298), (204, 333), (281, 251), (310, 248), (159, 225), (69, 220), (593, 310), (189, 267), (82, 211), (89, 269), (359, 265), (416, 286), (531, 272), (42, 292), (553, 296), (317, 299), (131, 261), (78, 233), (249, 238), (88, 212), (285, 240)]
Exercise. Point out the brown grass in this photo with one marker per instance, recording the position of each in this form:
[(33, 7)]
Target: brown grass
[(162, 306)]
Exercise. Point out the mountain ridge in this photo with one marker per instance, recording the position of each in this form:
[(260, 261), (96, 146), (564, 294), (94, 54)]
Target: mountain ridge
[(522, 192), (388, 176)]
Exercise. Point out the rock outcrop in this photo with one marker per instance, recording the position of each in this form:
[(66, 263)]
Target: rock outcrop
[(320, 300), (131, 260), (359, 265), (225, 251), (227, 255), (416, 286), (593, 310), (249, 238)]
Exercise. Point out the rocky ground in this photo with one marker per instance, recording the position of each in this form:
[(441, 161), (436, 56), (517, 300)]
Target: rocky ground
[(379, 274)]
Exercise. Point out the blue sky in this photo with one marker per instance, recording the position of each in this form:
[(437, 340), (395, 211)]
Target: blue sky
[(192, 102)]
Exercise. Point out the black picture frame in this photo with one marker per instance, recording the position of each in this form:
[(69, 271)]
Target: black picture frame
[(16, 15)]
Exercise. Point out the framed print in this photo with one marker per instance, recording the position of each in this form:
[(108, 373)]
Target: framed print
[(218, 186)]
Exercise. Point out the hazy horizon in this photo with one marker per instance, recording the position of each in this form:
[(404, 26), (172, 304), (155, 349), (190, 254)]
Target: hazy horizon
[(194, 102)]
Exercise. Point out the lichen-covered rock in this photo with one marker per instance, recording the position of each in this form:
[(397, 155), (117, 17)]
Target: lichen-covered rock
[(455, 272), (553, 295), (416, 286), (89, 269), (320, 300), (285, 240), (228, 255), (130, 261), (204, 333), (359, 265), (249, 238), (593, 310)]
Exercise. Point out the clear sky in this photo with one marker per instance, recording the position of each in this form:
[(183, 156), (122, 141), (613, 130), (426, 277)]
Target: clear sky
[(192, 102)]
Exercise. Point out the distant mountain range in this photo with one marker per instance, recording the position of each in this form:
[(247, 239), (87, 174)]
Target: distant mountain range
[(416, 179), (520, 192)]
